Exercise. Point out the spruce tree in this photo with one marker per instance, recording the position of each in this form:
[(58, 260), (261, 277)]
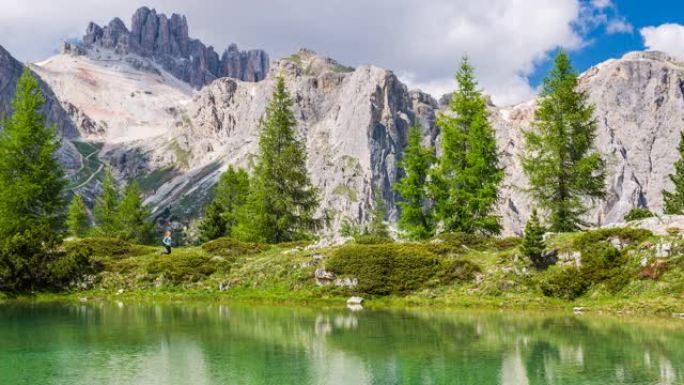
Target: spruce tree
[(106, 207), (282, 199), (222, 213), (131, 217), (533, 240), (674, 201), (416, 219), (559, 161), (77, 218), (32, 202), (468, 177)]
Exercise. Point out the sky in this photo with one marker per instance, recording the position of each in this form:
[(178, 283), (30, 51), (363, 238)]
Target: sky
[(510, 42)]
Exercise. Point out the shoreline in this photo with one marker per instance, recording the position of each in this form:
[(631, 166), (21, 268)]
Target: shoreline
[(622, 308)]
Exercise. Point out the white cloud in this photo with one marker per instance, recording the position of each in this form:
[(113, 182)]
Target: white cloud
[(666, 37), (619, 26), (505, 39)]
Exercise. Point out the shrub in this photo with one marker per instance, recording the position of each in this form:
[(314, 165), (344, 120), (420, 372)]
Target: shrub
[(627, 235), (461, 270), (386, 269), (507, 243), (229, 247), (457, 243), (185, 268), (106, 247), (372, 239), (638, 213), (67, 267), (564, 282)]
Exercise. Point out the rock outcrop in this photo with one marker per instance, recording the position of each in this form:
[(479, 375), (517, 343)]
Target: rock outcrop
[(167, 42), (10, 71)]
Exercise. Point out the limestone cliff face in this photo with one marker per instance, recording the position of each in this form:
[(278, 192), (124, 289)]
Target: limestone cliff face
[(640, 113), (354, 123), (166, 40), (176, 140)]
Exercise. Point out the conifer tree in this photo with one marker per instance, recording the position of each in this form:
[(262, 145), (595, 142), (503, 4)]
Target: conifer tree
[(377, 225), (282, 199), (213, 224), (416, 219), (674, 201), (533, 244), (32, 184), (77, 217), (131, 217), (222, 213), (559, 161), (468, 177), (106, 207)]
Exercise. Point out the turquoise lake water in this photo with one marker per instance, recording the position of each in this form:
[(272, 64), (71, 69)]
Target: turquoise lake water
[(117, 343)]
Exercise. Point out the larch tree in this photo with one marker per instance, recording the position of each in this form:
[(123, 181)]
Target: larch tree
[(222, 214), (282, 200), (132, 216), (417, 217), (468, 177), (559, 161), (78, 222), (107, 206), (32, 201)]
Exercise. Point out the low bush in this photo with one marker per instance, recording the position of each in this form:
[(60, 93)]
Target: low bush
[(502, 244), (69, 266), (372, 239), (461, 270), (229, 247), (626, 235), (457, 243), (638, 213), (564, 282), (386, 269), (185, 268), (107, 247)]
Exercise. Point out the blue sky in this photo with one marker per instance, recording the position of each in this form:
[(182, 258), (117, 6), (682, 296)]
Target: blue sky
[(602, 45), (510, 42)]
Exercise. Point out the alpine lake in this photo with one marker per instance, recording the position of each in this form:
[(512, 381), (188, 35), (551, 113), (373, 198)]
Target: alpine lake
[(209, 343)]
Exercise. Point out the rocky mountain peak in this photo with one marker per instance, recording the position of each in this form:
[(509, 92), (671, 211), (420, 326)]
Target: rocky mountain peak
[(166, 41), (311, 63)]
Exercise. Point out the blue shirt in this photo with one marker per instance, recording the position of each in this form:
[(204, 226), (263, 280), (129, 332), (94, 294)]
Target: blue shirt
[(167, 241)]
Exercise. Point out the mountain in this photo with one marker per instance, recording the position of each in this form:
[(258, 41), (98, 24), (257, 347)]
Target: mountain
[(166, 41), (162, 109)]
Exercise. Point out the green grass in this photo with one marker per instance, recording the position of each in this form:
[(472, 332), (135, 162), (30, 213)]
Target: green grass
[(182, 156), (463, 272)]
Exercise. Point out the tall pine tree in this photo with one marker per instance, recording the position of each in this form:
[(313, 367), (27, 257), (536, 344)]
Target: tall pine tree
[(132, 217), (559, 162), (468, 177), (222, 213), (77, 217), (282, 199), (106, 207), (674, 201), (417, 219), (32, 194)]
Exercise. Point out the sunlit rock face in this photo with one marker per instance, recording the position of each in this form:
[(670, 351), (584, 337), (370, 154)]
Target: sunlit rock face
[(639, 110), (166, 41), (172, 113)]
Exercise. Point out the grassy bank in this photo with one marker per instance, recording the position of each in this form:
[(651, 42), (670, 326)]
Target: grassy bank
[(617, 271)]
